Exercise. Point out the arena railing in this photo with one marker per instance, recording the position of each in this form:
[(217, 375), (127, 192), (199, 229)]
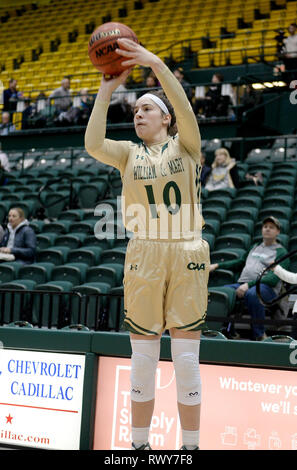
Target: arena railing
[(55, 310)]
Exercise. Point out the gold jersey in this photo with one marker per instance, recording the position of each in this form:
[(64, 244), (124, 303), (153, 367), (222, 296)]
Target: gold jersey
[(160, 196)]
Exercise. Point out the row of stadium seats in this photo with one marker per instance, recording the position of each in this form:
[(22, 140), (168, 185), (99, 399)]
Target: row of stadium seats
[(71, 259), (187, 20)]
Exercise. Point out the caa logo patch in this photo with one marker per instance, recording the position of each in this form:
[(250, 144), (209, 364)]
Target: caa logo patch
[(196, 266)]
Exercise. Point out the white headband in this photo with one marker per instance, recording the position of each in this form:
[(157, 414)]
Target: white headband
[(158, 101)]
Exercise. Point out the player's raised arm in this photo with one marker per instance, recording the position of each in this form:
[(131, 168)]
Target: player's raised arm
[(114, 153), (187, 125)]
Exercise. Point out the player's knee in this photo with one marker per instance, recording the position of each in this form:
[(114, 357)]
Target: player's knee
[(144, 361), (186, 364)]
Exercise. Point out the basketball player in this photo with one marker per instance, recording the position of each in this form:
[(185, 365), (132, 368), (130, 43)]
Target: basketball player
[(166, 269)]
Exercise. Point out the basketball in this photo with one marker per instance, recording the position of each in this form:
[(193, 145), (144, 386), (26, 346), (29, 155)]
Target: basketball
[(102, 46)]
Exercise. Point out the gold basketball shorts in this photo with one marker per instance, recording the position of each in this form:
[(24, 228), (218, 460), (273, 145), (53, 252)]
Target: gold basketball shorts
[(165, 285)]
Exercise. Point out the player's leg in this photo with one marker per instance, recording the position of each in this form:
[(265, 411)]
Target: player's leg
[(185, 347), (144, 361)]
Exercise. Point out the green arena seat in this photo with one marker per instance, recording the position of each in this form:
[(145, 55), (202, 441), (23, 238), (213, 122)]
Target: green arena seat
[(102, 274), (257, 191), (92, 306), (246, 201), (220, 277), (38, 272), (233, 227), (211, 226), (220, 256), (242, 240), (50, 310), (278, 212), (56, 255), (116, 312), (210, 238), (59, 226), (242, 213), (73, 240), (219, 202), (14, 305), (72, 272), (72, 214), (89, 255), (9, 271), (113, 256), (90, 193), (45, 240), (218, 213), (221, 304)]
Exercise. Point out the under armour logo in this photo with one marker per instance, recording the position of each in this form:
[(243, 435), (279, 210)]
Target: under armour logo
[(193, 394), (133, 267), (135, 391)]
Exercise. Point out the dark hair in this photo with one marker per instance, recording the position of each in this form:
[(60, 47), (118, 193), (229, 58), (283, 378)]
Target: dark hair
[(172, 129)]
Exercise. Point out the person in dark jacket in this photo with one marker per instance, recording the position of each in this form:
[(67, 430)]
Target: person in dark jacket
[(19, 238)]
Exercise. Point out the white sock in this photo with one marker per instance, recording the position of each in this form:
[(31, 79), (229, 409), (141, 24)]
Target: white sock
[(140, 436), (190, 438)]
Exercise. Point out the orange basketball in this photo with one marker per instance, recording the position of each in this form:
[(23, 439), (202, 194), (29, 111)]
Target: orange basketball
[(102, 45)]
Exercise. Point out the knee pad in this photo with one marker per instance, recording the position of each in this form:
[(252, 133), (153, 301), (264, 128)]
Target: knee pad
[(144, 361), (185, 356)]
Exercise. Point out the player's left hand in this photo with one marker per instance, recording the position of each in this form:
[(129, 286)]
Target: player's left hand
[(135, 54)]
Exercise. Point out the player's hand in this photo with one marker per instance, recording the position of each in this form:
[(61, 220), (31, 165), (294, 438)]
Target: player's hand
[(111, 83), (241, 290), (135, 54), (212, 267)]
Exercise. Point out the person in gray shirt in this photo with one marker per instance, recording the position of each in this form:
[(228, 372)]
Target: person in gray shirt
[(258, 258)]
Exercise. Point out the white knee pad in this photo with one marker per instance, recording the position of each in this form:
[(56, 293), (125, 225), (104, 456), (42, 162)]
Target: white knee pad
[(185, 356), (144, 361)]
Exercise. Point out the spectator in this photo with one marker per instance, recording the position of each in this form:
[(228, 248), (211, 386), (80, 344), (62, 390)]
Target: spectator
[(27, 114), (151, 81), (121, 105), (6, 127), (19, 238), (224, 173), (205, 170), (65, 113), (85, 106), (4, 163), (179, 74), (259, 257), (216, 101), (290, 52), (11, 96), (249, 100)]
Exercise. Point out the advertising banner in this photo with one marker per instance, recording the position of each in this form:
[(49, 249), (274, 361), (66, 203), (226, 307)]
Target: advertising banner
[(41, 397), (242, 408)]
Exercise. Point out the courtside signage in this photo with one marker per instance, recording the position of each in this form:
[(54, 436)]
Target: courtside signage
[(41, 397), (242, 408)]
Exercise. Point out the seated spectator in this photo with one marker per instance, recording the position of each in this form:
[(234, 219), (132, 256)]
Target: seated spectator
[(28, 112), (290, 53), (205, 170), (19, 238), (64, 111), (224, 173), (216, 101), (85, 106), (249, 100), (11, 96), (6, 127), (4, 162), (290, 278), (179, 74), (121, 105), (259, 257)]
